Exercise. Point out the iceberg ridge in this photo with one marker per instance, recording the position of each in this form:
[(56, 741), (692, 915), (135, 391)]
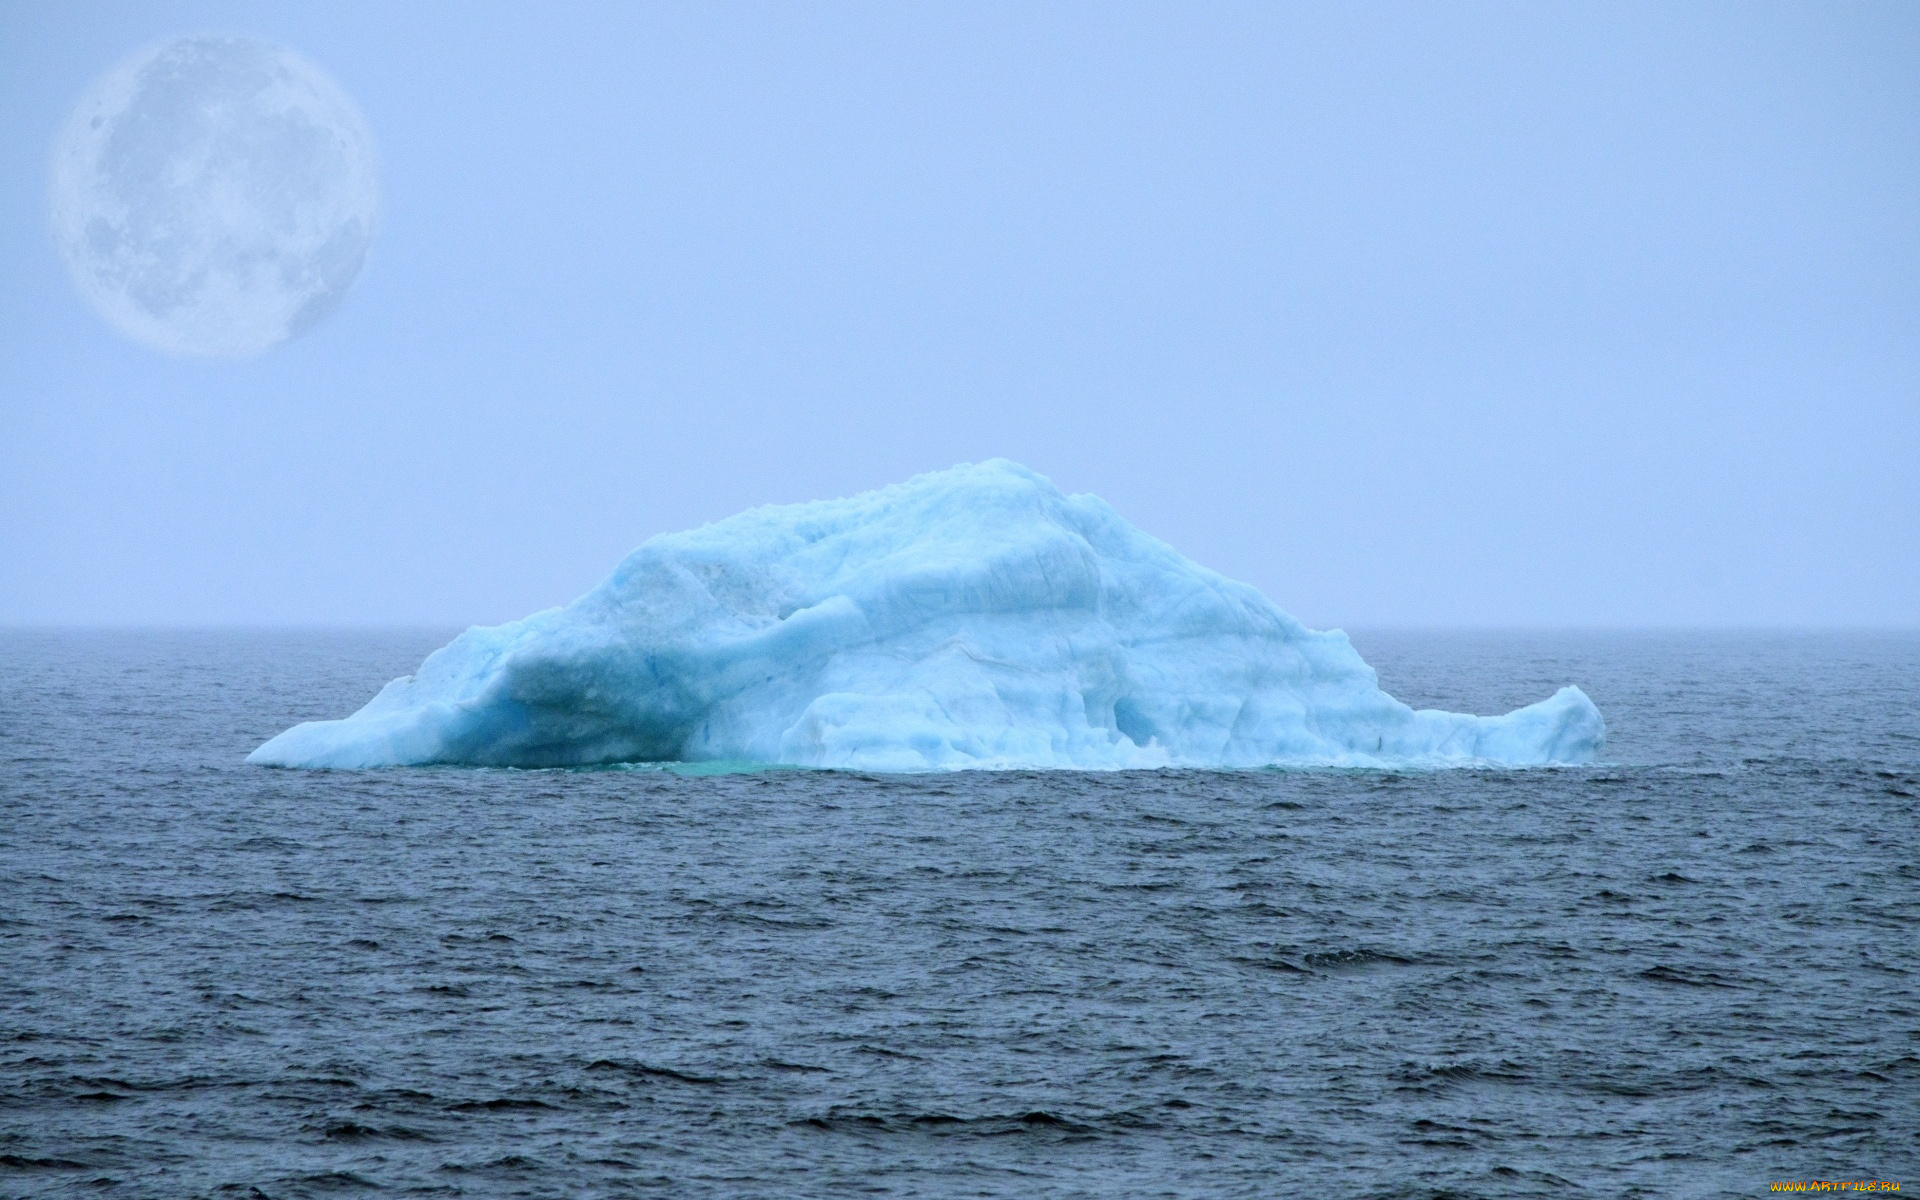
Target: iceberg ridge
[(975, 617)]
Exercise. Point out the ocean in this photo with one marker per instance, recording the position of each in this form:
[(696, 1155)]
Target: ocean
[(1691, 970)]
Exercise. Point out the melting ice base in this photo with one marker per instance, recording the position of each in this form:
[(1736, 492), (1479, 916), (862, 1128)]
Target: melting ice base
[(975, 617)]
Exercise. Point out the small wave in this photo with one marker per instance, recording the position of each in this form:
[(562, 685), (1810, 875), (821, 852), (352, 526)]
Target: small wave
[(335, 1181), (1437, 1076), (1674, 975), (20, 1162), (1353, 960), (946, 1124), (510, 1162), (650, 1072), (1272, 964), (500, 1104), (352, 1131)]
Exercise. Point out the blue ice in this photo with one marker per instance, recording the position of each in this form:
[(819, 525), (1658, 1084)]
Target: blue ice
[(975, 617)]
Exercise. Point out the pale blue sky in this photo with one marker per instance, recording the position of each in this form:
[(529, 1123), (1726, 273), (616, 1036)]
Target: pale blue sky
[(1596, 314)]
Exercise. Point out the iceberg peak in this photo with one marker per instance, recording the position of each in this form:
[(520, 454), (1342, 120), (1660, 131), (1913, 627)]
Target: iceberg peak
[(974, 617)]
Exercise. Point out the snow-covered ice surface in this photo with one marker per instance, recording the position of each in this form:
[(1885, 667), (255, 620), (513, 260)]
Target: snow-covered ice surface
[(975, 617)]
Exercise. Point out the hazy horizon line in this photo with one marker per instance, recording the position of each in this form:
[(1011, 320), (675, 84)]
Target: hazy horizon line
[(7, 627)]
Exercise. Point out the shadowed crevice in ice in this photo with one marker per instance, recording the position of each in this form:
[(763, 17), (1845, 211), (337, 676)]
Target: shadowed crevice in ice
[(975, 617)]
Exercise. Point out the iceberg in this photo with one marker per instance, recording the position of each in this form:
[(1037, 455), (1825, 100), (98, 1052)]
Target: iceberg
[(970, 618)]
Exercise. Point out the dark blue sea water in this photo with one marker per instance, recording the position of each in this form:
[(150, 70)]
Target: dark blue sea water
[(1687, 972)]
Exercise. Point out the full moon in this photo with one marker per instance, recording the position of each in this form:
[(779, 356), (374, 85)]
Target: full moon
[(214, 196)]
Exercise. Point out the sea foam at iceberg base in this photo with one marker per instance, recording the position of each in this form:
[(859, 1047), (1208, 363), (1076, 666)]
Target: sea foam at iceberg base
[(975, 617)]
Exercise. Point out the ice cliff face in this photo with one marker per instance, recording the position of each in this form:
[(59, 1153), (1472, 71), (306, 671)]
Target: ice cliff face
[(974, 617)]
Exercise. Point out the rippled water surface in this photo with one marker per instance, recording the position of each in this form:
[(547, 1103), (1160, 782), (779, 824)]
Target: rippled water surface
[(1687, 972)]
